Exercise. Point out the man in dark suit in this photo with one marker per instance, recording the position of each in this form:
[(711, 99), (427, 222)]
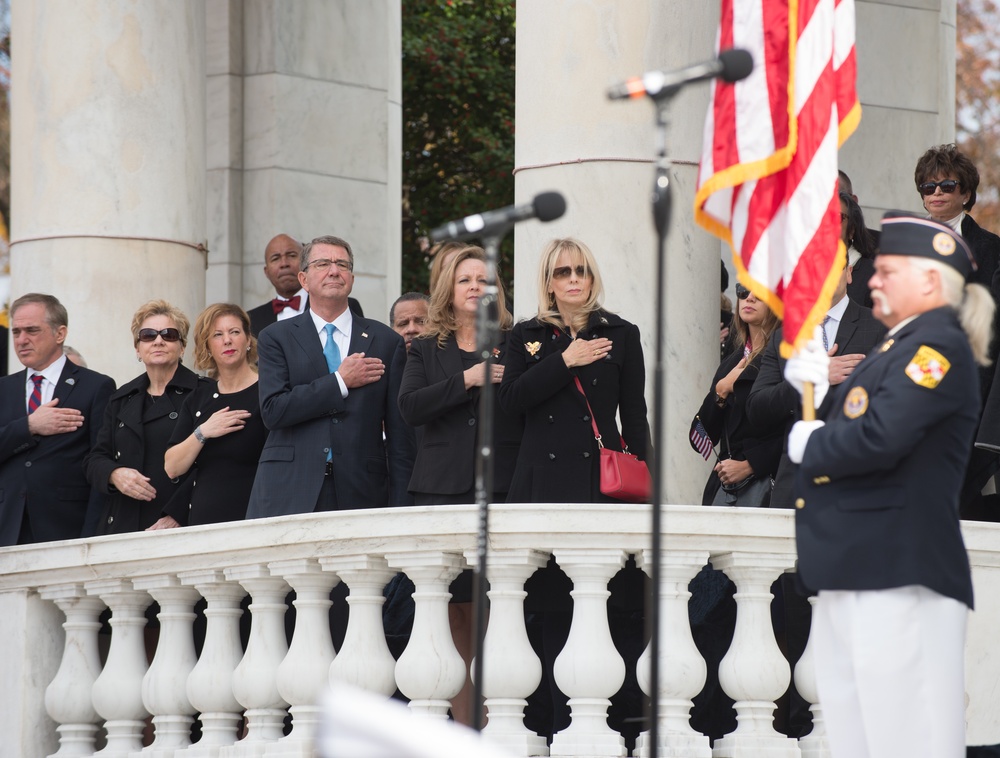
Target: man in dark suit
[(852, 332), (50, 414), (281, 267), (877, 527), (328, 387), (4, 334)]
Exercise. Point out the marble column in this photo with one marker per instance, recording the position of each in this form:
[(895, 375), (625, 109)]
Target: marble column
[(108, 172), (322, 137)]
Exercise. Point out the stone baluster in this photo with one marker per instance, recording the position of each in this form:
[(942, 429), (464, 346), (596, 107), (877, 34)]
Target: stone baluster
[(682, 668), (210, 684), (816, 744), (164, 688), (117, 693), (754, 672), (364, 659), (511, 670), (255, 680), (589, 669), (68, 696), (303, 675), (430, 671)]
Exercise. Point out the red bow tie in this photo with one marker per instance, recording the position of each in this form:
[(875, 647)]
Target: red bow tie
[(279, 305)]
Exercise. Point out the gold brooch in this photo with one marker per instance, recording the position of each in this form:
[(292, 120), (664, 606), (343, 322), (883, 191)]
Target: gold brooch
[(532, 347)]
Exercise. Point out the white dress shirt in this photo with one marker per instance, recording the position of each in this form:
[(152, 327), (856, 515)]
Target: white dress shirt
[(290, 312), (51, 374), (344, 323)]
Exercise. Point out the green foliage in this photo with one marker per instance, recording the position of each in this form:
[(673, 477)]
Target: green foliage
[(458, 120)]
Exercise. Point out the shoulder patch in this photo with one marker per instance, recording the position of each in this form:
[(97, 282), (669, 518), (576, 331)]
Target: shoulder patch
[(928, 367), (856, 403)]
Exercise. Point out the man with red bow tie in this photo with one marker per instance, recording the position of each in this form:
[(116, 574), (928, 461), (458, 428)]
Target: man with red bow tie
[(281, 267)]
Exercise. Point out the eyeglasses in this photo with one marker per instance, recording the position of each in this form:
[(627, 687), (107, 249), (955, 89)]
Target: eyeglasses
[(742, 293), (563, 272), (322, 265), (169, 335), (947, 187)]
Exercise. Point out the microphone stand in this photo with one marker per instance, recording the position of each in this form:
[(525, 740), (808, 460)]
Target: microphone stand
[(487, 337), (661, 219)]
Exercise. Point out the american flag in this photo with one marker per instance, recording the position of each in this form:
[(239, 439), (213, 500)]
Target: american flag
[(700, 440), (767, 183)]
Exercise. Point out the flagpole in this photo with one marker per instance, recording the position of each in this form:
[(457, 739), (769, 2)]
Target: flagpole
[(808, 406)]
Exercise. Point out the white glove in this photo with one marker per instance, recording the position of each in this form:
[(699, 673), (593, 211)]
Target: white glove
[(810, 364), (798, 438)]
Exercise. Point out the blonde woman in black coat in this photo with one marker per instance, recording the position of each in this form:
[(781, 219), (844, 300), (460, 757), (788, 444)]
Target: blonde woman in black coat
[(127, 460), (573, 337)]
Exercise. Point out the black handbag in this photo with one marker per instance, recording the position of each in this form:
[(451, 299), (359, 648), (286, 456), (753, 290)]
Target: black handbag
[(752, 492)]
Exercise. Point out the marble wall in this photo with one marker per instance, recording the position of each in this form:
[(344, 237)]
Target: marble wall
[(304, 138)]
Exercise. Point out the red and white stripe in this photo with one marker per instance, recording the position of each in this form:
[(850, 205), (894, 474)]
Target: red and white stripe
[(768, 177)]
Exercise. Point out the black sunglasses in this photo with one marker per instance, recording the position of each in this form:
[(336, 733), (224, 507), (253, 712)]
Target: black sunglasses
[(947, 187), (169, 335), (563, 272), (742, 293)]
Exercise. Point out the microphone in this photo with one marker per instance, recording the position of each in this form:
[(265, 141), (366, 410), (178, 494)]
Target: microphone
[(547, 206), (731, 65)]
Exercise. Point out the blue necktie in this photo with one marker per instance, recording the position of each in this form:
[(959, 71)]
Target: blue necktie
[(330, 350)]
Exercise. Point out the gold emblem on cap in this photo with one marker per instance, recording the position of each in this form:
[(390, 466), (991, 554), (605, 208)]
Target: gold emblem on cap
[(943, 243), (856, 403)]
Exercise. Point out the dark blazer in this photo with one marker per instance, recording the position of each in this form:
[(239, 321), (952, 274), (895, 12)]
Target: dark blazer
[(4, 338), (433, 396), (985, 248), (858, 289), (264, 315), (44, 474), (880, 481), (122, 443), (302, 406), (730, 429), (773, 400), (558, 458)]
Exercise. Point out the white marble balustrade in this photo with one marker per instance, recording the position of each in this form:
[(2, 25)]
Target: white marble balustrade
[(60, 700)]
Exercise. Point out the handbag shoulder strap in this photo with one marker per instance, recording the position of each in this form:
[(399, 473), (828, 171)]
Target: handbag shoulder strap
[(593, 420)]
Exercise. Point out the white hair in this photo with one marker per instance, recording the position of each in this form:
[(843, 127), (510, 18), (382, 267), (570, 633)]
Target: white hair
[(973, 302)]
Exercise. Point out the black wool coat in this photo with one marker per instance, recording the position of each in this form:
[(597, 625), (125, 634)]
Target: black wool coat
[(122, 443), (558, 459)]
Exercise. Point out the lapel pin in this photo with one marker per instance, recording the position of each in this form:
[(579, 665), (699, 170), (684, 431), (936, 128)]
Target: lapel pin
[(364, 334), (71, 381), (532, 347)]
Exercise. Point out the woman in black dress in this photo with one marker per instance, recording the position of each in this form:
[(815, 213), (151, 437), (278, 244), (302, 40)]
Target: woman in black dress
[(220, 433), (127, 461), (441, 385), (440, 394)]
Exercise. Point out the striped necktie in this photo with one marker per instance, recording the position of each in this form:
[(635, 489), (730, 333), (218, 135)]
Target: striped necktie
[(826, 340), (36, 394)]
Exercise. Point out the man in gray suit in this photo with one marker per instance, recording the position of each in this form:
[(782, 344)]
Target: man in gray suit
[(328, 386)]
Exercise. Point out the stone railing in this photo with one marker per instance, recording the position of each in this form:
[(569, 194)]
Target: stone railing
[(57, 695)]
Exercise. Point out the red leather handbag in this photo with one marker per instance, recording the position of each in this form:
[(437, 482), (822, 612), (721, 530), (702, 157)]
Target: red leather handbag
[(623, 476)]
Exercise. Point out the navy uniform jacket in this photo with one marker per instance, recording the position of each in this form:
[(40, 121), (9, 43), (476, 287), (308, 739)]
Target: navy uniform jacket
[(301, 405), (772, 400), (879, 484), (44, 474)]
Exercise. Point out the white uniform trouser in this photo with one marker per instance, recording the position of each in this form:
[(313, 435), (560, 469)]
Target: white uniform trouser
[(890, 671)]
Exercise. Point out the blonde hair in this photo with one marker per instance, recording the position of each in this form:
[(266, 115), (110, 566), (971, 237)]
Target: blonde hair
[(548, 312), (973, 302), (441, 321), (440, 258), (160, 308), (205, 325)]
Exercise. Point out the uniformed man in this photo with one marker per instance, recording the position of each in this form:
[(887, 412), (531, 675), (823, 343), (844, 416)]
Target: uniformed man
[(878, 485)]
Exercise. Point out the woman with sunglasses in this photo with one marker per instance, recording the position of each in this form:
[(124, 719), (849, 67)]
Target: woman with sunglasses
[(127, 460), (574, 353), (220, 434), (747, 455)]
